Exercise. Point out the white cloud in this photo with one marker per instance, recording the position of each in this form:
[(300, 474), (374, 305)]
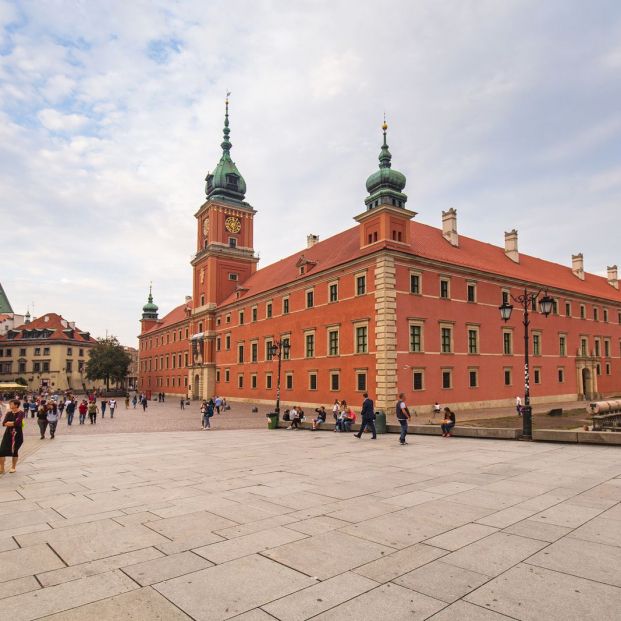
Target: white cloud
[(111, 114)]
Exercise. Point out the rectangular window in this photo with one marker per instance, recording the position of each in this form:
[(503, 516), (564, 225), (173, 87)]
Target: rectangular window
[(361, 340), (505, 297), (444, 288), (312, 381), (240, 353), (286, 348), (69, 366), (555, 306), (561, 376), (507, 375), (598, 368), (562, 345), (361, 381), (310, 299), (334, 292), (584, 347), (217, 377), (228, 320), (268, 310), (46, 367), (608, 368), (473, 378), (605, 315), (254, 352), (597, 348), (310, 345), (567, 309), (285, 306), (240, 381), (536, 345), (472, 292), (416, 338), (607, 348), (22, 367), (447, 377), (418, 378), (507, 343), (415, 283), (289, 381), (227, 342), (268, 381), (361, 285), (473, 341), (595, 314), (333, 342), (537, 376), (22, 352), (446, 337), (255, 313), (218, 343), (241, 318), (582, 311), (335, 381), (268, 349), (38, 351), (253, 380)]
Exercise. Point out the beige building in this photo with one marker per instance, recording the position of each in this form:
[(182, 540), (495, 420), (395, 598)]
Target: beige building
[(48, 352)]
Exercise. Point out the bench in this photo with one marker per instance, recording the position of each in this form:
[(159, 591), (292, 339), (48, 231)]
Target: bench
[(607, 422)]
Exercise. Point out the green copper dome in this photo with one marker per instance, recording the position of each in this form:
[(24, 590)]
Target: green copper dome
[(149, 310), (226, 181), (385, 186)]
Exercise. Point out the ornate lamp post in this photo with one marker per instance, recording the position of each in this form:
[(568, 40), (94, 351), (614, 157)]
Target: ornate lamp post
[(276, 350), (525, 300)]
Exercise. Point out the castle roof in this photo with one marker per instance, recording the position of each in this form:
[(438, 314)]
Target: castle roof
[(428, 243), (51, 326), (176, 315)]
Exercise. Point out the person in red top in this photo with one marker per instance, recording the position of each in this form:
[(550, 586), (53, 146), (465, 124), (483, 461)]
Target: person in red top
[(82, 409)]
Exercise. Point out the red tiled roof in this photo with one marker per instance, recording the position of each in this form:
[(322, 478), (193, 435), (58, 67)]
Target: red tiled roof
[(428, 242), (175, 316), (54, 322)]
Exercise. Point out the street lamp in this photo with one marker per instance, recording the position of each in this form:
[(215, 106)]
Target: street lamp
[(527, 299), (277, 349)]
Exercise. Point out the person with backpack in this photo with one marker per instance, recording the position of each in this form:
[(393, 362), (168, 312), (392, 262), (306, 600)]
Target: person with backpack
[(368, 417), (42, 418), (403, 416)]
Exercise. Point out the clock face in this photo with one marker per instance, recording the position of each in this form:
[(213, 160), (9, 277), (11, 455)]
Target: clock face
[(232, 224), (206, 227)]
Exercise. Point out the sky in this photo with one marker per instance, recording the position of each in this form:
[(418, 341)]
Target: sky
[(111, 115)]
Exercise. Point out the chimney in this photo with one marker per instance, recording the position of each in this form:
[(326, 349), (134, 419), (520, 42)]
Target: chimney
[(188, 298), (311, 240), (577, 265), (511, 245), (613, 279), (449, 226)]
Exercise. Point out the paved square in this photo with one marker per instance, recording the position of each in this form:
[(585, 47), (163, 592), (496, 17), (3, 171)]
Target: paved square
[(256, 525)]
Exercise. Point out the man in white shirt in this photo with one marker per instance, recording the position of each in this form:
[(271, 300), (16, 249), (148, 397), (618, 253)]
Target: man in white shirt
[(403, 416), (518, 405), (112, 404)]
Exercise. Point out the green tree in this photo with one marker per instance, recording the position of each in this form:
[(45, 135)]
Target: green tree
[(108, 361), (22, 381)]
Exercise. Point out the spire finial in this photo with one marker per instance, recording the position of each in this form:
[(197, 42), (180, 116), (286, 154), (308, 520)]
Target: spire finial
[(150, 298), (385, 156), (226, 143)]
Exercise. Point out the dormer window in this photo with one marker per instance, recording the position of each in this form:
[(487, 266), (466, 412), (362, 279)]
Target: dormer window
[(232, 181)]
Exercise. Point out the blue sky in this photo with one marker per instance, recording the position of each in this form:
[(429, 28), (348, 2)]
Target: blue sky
[(111, 116)]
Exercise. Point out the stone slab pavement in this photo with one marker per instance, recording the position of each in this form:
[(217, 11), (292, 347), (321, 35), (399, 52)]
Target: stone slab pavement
[(256, 525)]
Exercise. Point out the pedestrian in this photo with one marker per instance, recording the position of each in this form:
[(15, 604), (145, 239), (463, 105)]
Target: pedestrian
[(61, 407), (33, 408), (104, 403), (92, 412), (13, 436), (144, 403), (134, 401), (82, 409), (367, 414), (336, 410), (112, 404), (518, 405), (436, 409), (403, 416), (42, 418), (70, 407), (449, 422), (321, 417), (183, 404), (218, 403), (52, 418), (127, 402)]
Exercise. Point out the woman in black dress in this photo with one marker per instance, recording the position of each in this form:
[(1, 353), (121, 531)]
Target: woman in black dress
[(13, 436)]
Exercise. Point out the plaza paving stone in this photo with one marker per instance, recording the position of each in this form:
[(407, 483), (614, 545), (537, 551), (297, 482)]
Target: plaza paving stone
[(256, 525)]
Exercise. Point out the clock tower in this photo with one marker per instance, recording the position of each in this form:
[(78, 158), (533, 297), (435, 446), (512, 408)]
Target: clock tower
[(224, 258)]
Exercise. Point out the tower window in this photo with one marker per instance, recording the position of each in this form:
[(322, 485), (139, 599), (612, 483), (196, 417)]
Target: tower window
[(232, 242), (232, 276)]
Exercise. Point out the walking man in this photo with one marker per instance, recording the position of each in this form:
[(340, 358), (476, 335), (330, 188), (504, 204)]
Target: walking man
[(183, 404), (112, 404), (218, 403), (70, 408), (144, 403), (82, 409), (368, 417), (92, 412), (403, 416)]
